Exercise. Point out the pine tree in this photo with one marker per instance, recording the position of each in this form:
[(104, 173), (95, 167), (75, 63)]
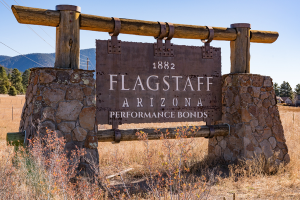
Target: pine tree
[(16, 81), (297, 89), (12, 91), (25, 79), (9, 76), (276, 89), (286, 90), (3, 89), (3, 78)]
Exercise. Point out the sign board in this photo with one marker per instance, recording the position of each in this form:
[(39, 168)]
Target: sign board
[(137, 86)]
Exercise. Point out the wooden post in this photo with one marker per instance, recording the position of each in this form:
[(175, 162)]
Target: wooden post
[(240, 49), (67, 37), (87, 64)]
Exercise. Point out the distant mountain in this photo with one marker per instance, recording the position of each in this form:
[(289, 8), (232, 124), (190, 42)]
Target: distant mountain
[(45, 60)]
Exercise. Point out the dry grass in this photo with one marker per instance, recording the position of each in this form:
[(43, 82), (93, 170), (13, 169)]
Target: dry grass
[(247, 181), (10, 113), (246, 184)]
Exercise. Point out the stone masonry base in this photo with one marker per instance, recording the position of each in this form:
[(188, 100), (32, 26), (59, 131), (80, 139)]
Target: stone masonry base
[(249, 107), (63, 100)]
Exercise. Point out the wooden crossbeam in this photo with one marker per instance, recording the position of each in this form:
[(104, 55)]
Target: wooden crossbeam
[(155, 134), (17, 138), (37, 16)]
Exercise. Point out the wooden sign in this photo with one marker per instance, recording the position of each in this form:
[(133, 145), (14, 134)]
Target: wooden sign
[(139, 85)]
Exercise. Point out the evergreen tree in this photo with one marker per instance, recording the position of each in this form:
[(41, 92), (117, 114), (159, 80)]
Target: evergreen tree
[(9, 76), (25, 79), (286, 90), (297, 89), (16, 81), (276, 89), (3, 89), (12, 91), (3, 78)]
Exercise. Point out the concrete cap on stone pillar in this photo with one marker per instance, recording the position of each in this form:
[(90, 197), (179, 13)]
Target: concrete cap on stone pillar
[(68, 7), (240, 25)]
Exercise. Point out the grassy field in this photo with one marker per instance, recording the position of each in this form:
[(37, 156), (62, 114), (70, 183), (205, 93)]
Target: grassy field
[(10, 113), (162, 159), (247, 182)]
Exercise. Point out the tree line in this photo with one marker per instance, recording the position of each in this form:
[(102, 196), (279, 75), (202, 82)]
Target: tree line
[(13, 83), (285, 90)]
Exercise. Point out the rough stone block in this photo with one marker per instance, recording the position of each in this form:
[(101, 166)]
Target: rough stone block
[(88, 91), (48, 114), (278, 133), (229, 97), (47, 126), (46, 78), (79, 134), (228, 155), (266, 103), (278, 153), (268, 82), (68, 137), (222, 144), (257, 81), (89, 81), (74, 93), (87, 118), (266, 149), (219, 138), (66, 127), (218, 151), (246, 117), (53, 96), (263, 95), (90, 100), (75, 77), (246, 97), (272, 141), (91, 142), (69, 111), (62, 77), (286, 158)]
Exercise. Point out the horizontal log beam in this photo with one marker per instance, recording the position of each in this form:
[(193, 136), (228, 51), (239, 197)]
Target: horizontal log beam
[(37, 16), (155, 134), (17, 138)]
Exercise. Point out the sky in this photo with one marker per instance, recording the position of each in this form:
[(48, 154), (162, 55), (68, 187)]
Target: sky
[(279, 60)]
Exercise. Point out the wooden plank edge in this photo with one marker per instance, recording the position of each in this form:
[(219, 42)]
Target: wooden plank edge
[(16, 14), (15, 138), (257, 36), (129, 134)]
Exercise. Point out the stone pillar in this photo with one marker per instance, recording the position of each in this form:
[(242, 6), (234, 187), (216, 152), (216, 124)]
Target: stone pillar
[(249, 107), (63, 100)]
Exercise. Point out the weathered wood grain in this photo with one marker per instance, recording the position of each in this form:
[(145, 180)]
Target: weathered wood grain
[(17, 138), (67, 52), (263, 36), (36, 16), (27, 15), (154, 134), (240, 52)]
